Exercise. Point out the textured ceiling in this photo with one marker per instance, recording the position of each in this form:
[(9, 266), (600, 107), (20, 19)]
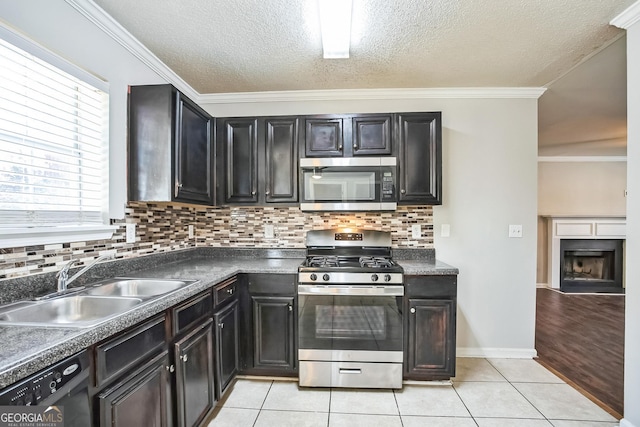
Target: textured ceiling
[(221, 46)]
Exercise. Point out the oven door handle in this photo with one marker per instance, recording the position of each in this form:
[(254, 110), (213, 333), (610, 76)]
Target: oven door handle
[(363, 290)]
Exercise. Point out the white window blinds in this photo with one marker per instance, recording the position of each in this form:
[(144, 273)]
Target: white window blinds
[(53, 144)]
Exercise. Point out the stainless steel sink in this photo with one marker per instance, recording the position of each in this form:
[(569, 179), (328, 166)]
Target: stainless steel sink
[(141, 288), (69, 311)]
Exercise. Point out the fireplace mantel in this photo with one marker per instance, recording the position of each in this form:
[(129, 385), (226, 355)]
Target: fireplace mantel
[(578, 227)]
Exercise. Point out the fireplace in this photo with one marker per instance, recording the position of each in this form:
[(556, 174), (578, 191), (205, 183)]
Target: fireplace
[(591, 265)]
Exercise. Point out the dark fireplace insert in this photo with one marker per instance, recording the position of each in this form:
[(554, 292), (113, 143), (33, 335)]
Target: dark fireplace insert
[(591, 265)]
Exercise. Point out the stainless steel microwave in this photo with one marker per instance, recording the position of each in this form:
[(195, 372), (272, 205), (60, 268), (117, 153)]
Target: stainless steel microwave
[(348, 184)]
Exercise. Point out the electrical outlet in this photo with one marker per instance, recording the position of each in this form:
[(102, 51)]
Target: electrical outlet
[(190, 228), (445, 230), (515, 230), (416, 231), (268, 231), (130, 233)]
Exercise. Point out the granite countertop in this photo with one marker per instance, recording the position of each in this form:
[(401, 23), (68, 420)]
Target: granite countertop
[(26, 350)]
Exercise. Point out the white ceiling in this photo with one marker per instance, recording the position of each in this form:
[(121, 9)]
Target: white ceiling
[(223, 46)]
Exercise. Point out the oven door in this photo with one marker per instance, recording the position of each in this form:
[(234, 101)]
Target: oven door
[(361, 323)]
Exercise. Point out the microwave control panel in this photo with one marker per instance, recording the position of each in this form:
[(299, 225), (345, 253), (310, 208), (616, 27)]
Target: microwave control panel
[(388, 186)]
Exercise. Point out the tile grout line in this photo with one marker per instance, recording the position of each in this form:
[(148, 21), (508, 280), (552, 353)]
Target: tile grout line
[(395, 399), (263, 402), (519, 392), (464, 404)]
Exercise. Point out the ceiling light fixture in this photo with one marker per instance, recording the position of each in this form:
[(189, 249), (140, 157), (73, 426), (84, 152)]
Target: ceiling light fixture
[(335, 24)]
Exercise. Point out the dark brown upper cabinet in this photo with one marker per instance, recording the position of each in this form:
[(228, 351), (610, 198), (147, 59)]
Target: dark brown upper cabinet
[(257, 160), (420, 158), (348, 135), (170, 147)]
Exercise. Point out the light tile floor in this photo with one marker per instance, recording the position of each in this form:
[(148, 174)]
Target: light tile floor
[(485, 393)]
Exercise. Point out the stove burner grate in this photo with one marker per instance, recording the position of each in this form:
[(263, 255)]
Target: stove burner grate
[(375, 262)]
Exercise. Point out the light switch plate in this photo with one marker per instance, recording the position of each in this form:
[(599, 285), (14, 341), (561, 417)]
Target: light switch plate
[(416, 231), (190, 228), (130, 233), (445, 230), (268, 231), (515, 230)]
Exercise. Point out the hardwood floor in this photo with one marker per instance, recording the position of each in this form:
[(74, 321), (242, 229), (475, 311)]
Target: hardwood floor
[(582, 338)]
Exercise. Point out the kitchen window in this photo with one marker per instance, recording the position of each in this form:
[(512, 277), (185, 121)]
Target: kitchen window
[(53, 148)]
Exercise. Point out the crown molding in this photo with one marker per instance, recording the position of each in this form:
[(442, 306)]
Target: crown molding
[(626, 19), (569, 159), (371, 94), (113, 29), (118, 33)]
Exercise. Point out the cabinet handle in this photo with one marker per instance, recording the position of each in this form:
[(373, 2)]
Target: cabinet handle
[(340, 147), (221, 325), (355, 146), (403, 191), (230, 291), (266, 193), (413, 309), (290, 308), (184, 358), (170, 368), (253, 193), (178, 187)]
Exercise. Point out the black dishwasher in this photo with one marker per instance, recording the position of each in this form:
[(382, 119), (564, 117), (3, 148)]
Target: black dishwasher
[(64, 385)]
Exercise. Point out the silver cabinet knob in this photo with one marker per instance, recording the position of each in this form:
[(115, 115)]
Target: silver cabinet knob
[(403, 191), (253, 193), (413, 309), (184, 358), (230, 291), (290, 307), (266, 192), (355, 146), (170, 368), (221, 325)]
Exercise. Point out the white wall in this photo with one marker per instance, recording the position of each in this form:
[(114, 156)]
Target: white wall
[(489, 182), (632, 301), (57, 26), (582, 188)]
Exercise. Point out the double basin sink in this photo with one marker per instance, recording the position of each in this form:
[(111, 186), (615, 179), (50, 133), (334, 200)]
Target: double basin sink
[(88, 306)]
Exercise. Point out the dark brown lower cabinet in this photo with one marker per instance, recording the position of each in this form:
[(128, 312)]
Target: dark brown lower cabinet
[(141, 398), (431, 349), (430, 327), (226, 323), (193, 358), (273, 332)]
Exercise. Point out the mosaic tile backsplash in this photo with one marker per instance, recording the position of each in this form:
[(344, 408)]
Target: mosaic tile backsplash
[(162, 227)]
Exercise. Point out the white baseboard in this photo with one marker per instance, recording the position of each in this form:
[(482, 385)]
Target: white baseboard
[(626, 423), (543, 285), (496, 353)]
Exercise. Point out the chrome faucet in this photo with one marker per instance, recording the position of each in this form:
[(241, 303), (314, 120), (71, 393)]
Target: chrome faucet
[(63, 274)]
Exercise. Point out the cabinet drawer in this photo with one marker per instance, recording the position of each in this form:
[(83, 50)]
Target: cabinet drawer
[(191, 311), (120, 354), (272, 284), (224, 291)]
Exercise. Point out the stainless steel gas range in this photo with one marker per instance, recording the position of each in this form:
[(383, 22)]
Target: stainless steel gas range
[(350, 311)]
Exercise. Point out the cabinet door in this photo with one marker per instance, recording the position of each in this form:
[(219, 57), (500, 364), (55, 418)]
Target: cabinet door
[(420, 158), (193, 356), (371, 135), (193, 153), (273, 334), (281, 160), (240, 141), (323, 137), (139, 399), (431, 339), (226, 322)]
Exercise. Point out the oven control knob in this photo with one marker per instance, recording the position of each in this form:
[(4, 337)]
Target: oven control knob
[(374, 277), (387, 277), (313, 276), (325, 277)]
